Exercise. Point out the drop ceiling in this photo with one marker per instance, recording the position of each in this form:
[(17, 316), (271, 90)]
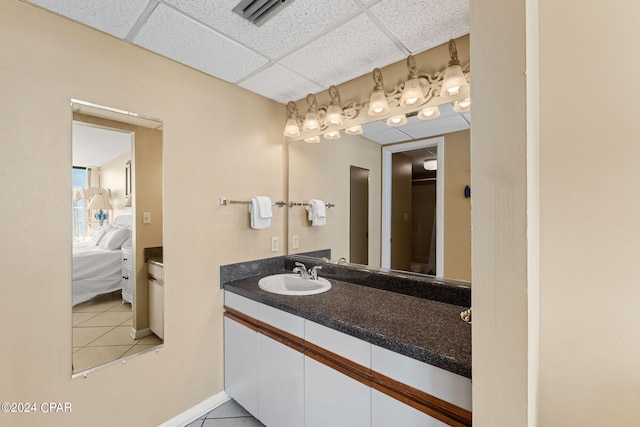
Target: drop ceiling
[(306, 47)]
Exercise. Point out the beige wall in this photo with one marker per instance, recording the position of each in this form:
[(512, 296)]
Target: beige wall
[(589, 226), (322, 171), (46, 61), (565, 185), (457, 209)]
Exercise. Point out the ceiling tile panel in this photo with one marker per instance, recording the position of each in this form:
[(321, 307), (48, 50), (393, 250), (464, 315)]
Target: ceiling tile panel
[(295, 24), (171, 34), (388, 136), (115, 17), (423, 24), (351, 50), (439, 126), (280, 84)]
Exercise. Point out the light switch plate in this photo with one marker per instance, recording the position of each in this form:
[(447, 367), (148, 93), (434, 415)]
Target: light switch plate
[(295, 242)]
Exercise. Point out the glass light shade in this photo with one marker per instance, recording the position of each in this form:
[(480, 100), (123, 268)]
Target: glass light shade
[(429, 113), (378, 104), (412, 94), (332, 135), (354, 130), (462, 106), (430, 164), (454, 82), (312, 139), (334, 116), (311, 122), (397, 120), (291, 128)]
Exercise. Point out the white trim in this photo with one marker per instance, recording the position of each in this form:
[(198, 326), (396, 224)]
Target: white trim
[(197, 411), (387, 153), (136, 334)]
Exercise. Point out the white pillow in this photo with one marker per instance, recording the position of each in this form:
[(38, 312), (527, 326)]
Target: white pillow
[(102, 231), (115, 238)]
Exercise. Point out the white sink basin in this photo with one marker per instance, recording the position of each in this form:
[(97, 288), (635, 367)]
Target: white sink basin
[(293, 284)]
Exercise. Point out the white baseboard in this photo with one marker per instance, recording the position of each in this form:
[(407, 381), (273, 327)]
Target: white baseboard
[(137, 334), (197, 411)]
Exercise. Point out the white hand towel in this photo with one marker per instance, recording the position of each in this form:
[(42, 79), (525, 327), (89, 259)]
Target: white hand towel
[(260, 212), (317, 212)]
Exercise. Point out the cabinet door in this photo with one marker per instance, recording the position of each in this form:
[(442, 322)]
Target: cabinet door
[(387, 411), (241, 365), (333, 399), (280, 384)]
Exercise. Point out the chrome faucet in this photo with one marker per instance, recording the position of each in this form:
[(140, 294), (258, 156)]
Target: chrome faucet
[(301, 269), (311, 274)]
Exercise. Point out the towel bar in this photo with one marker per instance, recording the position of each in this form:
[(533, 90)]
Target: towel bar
[(291, 204), (223, 201)]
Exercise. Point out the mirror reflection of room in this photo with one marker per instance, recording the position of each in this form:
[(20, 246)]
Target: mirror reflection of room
[(110, 320)]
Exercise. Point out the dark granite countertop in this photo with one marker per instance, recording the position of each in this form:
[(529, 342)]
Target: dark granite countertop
[(423, 329)]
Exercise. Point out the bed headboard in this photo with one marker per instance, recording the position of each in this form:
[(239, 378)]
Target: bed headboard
[(123, 221)]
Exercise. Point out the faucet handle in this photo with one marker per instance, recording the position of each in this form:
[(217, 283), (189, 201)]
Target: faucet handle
[(314, 272), (301, 265)]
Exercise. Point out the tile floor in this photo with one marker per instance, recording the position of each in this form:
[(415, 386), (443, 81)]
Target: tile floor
[(229, 414), (101, 332)]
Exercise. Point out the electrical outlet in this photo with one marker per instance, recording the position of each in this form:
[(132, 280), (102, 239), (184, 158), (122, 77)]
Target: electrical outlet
[(295, 242), (406, 217), (146, 217), (274, 244)]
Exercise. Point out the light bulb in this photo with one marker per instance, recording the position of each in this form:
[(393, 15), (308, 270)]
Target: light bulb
[(378, 104), (354, 130), (291, 128), (429, 113), (311, 122), (397, 120), (462, 106), (412, 93), (334, 116), (332, 135), (312, 139)]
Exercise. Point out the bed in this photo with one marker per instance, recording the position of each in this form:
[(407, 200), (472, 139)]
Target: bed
[(97, 263)]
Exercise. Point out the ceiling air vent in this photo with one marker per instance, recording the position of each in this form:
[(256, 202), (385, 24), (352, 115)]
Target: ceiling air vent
[(260, 11)]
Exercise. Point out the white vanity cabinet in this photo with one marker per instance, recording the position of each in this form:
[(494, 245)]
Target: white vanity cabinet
[(289, 371), (262, 374), (333, 398), (156, 298), (241, 355)]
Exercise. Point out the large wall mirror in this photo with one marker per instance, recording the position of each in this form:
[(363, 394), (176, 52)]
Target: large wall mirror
[(418, 211), (117, 219)]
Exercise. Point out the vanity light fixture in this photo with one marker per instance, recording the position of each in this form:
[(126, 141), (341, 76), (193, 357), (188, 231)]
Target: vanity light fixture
[(454, 82), (397, 120), (334, 112), (311, 122), (378, 104), (430, 164), (429, 113), (332, 135), (412, 94), (312, 139), (292, 128), (462, 106), (354, 130)]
